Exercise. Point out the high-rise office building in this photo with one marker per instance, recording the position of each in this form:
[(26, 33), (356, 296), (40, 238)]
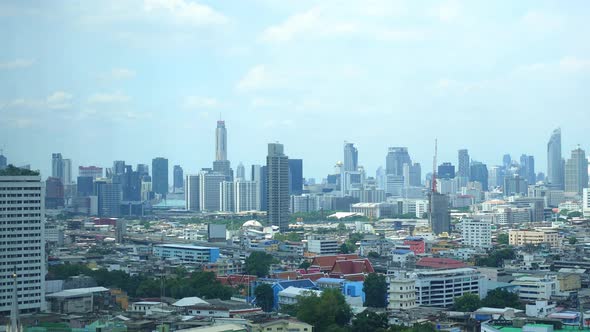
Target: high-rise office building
[(160, 176), (479, 173), (515, 185), (295, 176), (395, 160), (92, 171), (446, 171), (67, 171), (130, 184), (277, 164), (576, 172), (506, 161), (241, 172), (178, 178), (209, 190), (351, 158), (110, 196), (191, 193), (22, 232), (3, 161), (226, 196), (57, 170), (463, 169), (441, 218), (85, 186), (54, 193), (259, 176), (527, 169), (143, 170), (223, 167), (555, 172), (118, 167), (412, 175), (220, 141)]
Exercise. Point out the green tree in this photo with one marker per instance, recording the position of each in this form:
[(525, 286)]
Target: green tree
[(370, 321), (341, 228), (258, 263), (344, 249), (324, 311), (375, 289), (373, 254), (572, 240), (305, 265), (264, 297), (574, 214), (468, 302), (500, 298), (495, 258), (564, 212), (502, 239)]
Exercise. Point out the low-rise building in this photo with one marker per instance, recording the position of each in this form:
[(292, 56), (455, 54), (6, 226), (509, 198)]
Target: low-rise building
[(187, 253), (439, 288), (532, 289), (522, 237)]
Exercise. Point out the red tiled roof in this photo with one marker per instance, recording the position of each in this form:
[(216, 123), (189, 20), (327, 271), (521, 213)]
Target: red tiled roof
[(327, 262), (236, 279), (344, 267), (287, 275), (440, 263), (313, 276)]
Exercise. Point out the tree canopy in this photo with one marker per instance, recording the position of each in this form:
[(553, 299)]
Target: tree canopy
[(264, 297), (324, 312), (258, 263), (496, 258), (467, 302), (502, 238), (375, 288), (500, 298)]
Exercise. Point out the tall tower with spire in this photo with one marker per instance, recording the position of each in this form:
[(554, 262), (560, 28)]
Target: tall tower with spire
[(220, 141)]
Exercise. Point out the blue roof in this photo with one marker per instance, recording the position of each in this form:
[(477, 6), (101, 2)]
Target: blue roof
[(414, 238), (402, 251), (301, 283), (330, 280)]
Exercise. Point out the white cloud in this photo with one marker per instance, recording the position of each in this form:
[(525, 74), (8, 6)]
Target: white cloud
[(447, 12), (198, 102), (118, 74), (566, 65), (570, 63), (542, 21), (182, 11), (108, 98), (59, 100), (258, 77), (17, 63)]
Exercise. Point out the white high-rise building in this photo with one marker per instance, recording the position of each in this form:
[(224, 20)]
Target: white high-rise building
[(209, 191), (576, 172), (477, 233), (67, 171), (247, 196), (586, 202), (22, 240), (226, 196), (439, 288)]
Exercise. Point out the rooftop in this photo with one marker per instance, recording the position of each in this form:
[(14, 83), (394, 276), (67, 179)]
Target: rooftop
[(78, 292), (184, 246)]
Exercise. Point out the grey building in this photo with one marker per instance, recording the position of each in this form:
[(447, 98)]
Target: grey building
[(576, 172), (277, 164), (160, 176), (527, 168), (351, 158), (240, 172), (479, 173), (555, 173), (463, 169), (3, 161), (515, 185), (110, 196), (191, 193), (220, 141), (295, 176), (209, 190), (178, 176), (395, 160), (259, 176), (440, 218), (57, 170)]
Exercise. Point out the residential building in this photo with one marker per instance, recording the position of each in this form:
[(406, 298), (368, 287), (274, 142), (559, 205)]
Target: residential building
[(277, 164), (178, 178), (477, 233), (247, 196), (522, 237), (187, 253), (439, 288), (209, 190), (401, 293), (191, 193), (463, 166), (323, 246), (226, 196), (22, 239), (531, 289), (304, 203), (110, 197), (395, 160)]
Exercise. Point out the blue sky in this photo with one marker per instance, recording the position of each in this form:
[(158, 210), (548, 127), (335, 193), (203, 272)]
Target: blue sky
[(132, 80)]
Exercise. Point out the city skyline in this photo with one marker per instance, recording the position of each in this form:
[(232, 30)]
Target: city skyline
[(291, 68)]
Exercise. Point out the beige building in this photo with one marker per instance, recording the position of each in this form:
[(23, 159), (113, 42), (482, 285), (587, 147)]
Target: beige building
[(519, 238), (569, 282), (281, 325)]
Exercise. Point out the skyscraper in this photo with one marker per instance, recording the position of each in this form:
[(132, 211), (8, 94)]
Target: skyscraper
[(479, 173), (220, 141), (23, 241), (277, 164), (351, 158), (555, 173), (191, 192), (463, 170), (178, 177), (67, 171), (57, 167), (160, 176), (209, 190), (506, 161), (118, 167), (241, 172), (3, 161), (395, 160), (110, 196), (143, 170), (295, 176), (246, 196), (527, 168), (440, 218), (446, 171), (576, 172)]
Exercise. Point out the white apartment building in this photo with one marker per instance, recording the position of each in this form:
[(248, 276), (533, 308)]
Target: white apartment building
[(321, 246), (586, 202), (477, 233), (22, 242), (522, 237), (439, 288), (401, 293), (531, 289), (246, 195)]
